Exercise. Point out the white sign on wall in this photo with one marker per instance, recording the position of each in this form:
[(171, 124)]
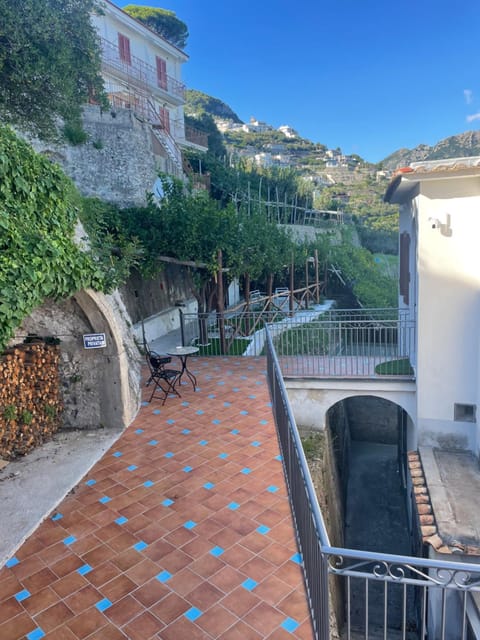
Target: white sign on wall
[(94, 340)]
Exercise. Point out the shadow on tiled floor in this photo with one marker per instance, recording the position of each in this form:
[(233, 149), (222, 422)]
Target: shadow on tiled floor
[(181, 531)]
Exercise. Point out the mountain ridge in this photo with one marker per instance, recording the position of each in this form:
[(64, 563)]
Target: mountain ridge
[(459, 145)]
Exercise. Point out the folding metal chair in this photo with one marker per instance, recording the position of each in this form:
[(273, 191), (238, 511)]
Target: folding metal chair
[(164, 380)]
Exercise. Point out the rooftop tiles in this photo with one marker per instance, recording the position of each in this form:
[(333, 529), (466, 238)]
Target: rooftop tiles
[(181, 530)]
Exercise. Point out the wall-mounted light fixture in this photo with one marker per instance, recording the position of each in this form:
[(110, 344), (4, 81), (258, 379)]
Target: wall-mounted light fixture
[(444, 227)]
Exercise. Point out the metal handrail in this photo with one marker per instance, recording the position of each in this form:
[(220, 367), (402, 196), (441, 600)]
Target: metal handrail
[(430, 580)]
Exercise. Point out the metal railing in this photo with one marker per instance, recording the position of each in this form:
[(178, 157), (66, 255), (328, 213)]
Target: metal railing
[(340, 343), (194, 135), (344, 345), (384, 595), (139, 72)]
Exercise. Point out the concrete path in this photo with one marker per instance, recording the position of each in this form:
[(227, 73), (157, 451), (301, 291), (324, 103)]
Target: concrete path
[(181, 530)]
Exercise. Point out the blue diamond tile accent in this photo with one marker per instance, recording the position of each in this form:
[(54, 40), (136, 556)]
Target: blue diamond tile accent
[(203, 443), (244, 413), (156, 412), (22, 595), (185, 404), (235, 389), (263, 422), (84, 569), (36, 634), (243, 378), (221, 383), (186, 431), (256, 443), (297, 558), (144, 403), (249, 584), (187, 469), (211, 396), (69, 540), (208, 485), (235, 431), (263, 529), (227, 404), (169, 454), (200, 412), (252, 397), (148, 483), (278, 458), (289, 624), (272, 488), (163, 576), (132, 467), (12, 562), (246, 471), (91, 482), (170, 421), (140, 546), (153, 442), (190, 524), (216, 421), (104, 604), (167, 502), (121, 520), (57, 516), (223, 455), (258, 382), (216, 551), (118, 454), (233, 506), (105, 499), (138, 431), (269, 405), (193, 614)]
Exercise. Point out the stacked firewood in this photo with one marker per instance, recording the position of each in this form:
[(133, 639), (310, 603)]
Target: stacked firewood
[(30, 399)]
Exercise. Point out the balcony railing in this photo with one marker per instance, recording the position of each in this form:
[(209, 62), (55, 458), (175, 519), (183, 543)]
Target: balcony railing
[(342, 343), (349, 343), (139, 72), (418, 597), (195, 136)]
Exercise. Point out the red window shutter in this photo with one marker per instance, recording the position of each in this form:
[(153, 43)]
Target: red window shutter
[(165, 119), (161, 73), (124, 48), (405, 266)]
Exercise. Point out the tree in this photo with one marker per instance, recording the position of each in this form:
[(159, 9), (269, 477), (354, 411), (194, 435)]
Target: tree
[(162, 21), (49, 63)]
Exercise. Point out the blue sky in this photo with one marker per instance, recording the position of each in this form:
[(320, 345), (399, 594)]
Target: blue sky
[(369, 76)]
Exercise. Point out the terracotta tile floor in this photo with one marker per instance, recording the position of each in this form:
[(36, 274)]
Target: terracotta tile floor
[(181, 531)]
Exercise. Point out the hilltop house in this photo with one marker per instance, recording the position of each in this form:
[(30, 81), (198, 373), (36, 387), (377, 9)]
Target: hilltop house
[(142, 72)]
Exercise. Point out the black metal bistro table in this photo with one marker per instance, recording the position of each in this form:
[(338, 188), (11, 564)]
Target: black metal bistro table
[(183, 353)]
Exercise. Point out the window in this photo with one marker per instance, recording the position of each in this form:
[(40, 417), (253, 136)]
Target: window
[(165, 118), (161, 73), (465, 412), (124, 48)]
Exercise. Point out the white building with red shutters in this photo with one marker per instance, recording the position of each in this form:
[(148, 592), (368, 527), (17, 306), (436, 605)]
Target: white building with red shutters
[(143, 72)]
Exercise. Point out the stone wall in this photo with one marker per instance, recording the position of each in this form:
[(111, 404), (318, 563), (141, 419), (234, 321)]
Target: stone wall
[(118, 163)]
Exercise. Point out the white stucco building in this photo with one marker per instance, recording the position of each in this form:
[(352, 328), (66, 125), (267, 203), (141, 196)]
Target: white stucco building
[(143, 72), (440, 289)]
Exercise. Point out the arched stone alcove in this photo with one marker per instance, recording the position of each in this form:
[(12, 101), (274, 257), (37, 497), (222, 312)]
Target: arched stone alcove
[(101, 386)]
